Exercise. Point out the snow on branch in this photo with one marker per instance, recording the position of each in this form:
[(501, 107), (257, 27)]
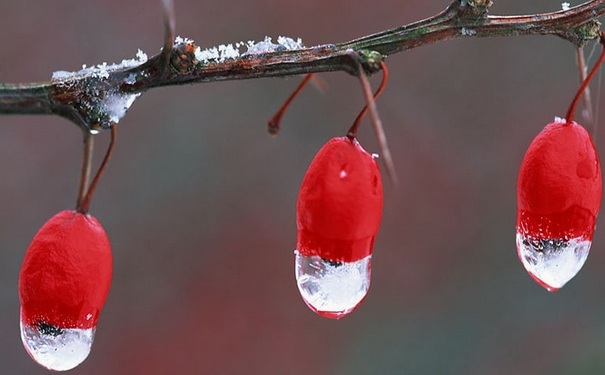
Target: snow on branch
[(97, 97)]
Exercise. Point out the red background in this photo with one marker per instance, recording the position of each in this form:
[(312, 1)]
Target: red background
[(199, 202)]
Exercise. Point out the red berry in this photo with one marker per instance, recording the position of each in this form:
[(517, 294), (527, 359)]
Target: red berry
[(340, 203), (560, 185), (559, 195), (66, 273), (338, 214)]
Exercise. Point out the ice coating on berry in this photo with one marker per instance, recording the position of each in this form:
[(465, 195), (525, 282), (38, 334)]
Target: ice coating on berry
[(63, 284), (558, 196), (54, 348), (340, 203), (552, 262), (332, 289)]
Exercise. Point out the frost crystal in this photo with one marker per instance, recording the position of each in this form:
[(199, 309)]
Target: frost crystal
[(232, 51), (560, 120), (565, 6), (115, 105), (99, 103), (101, 70), (467, 32)]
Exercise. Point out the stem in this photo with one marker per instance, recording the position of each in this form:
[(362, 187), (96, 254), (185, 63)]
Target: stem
[(85, 204), (85, 171), (378, 129), (352, 133), (574, 103), (25, 99), (587, 98), (275, 120)]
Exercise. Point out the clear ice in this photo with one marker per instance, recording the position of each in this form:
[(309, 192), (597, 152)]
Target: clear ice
[(57, 349), (552, 262), (332, 289)]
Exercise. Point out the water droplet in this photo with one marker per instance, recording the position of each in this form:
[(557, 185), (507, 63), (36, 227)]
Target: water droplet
[(552, 262), (332, 289), (57, 349)]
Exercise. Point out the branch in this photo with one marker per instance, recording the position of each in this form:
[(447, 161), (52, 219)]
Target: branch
[(98, 97)]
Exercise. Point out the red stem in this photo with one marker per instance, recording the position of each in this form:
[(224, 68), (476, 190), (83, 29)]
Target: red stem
[(275, 120), (352, 133), (574, 103), (84, 205)]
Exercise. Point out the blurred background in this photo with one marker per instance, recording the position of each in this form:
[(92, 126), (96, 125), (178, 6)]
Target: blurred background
[(199, 202)]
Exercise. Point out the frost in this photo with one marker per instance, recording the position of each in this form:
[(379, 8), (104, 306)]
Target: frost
[(467, 32), (225, 52), (115, 105), (264, 46), (290, 43), (101, 70), (565, 6), (283, 44), (560, 120)]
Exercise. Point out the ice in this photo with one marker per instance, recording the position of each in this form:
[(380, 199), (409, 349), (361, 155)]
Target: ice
[(560, 120), (115, 105), (57, 349), (467, 32), (289, 43), (552, 262), (266, 46), (101, 70), (332, 289), (225, 52)]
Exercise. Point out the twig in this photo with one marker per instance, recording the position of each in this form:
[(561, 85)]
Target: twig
[(81, 97), (588, 114), (377, 126), (85, 170)]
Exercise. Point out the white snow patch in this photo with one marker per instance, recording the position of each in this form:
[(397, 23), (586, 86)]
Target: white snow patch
[(467, 32), (565, 6), (101, 70), (224, 52), (115, 105)]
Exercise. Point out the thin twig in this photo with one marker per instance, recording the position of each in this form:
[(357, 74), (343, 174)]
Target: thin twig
[(169, 31), (78, 97), (377, 126), (588, 114), (274, 123), (569, 117), (85, 170), (352, 133), (84, 205)]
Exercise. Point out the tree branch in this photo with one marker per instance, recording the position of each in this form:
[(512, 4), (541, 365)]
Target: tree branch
[(96, 98)]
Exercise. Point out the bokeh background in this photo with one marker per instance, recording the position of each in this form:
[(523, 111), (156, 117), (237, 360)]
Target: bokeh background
[(199, 202)]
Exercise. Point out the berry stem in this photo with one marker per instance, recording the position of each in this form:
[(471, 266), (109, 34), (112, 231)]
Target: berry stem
[(352, 133), (84, 204), (275, 120), (574, 103), (86, 167), (583, 70), (378, 129)]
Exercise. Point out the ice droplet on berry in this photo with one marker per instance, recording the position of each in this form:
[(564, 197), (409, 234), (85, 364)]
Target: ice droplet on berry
[(57, 349), (552, 262), (332, 289)]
